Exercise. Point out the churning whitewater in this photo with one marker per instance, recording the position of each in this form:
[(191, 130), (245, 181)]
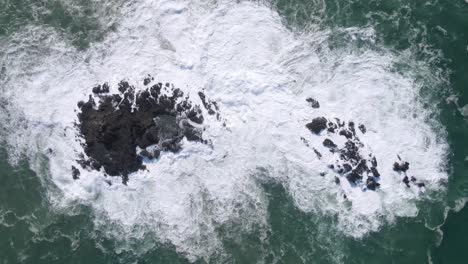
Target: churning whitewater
[(260, 73)]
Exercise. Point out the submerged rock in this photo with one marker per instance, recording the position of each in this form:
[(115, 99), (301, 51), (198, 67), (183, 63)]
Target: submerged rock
[(117, 124), (329, 144), (75, 173), (362, 128), (313, 103)]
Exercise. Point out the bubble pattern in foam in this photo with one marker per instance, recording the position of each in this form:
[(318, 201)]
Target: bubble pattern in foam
[(260, 74)]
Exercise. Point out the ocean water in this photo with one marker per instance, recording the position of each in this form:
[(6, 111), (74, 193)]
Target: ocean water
[(256, 196)]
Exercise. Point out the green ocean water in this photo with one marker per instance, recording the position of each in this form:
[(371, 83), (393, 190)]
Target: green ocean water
[(31, 231)]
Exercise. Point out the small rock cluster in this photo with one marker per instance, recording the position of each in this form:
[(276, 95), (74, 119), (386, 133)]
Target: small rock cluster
[(402, 167), (351, 164)]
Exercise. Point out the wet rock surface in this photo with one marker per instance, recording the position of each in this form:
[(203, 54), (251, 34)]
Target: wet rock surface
[(120, 130), (357, 168), (351, 164), (317, 125), (313, 103), (402, 167)]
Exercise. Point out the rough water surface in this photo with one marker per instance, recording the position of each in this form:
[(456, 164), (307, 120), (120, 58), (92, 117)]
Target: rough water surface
[(325, 134)]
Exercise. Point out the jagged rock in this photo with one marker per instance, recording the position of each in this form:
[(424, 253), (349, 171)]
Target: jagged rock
[(75, 173), (353, 177), (375, 172), (101, 89), (332, 127), (372, 184), (148, 80), (347, 134), (420, 184), (403, 167), (351, 128), (337, 180), (313, 103), (210, 106), (406, 181), (150, 154), (347, 167), (113, 127), (329, 144), (362, 128), (317, 125), (319, 155)]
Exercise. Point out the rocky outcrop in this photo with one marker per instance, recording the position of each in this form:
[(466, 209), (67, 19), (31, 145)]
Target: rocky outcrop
[(358, 169), (120, 130), (350, 164)]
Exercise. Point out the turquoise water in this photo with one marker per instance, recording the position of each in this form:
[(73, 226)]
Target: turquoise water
[(32, 230)]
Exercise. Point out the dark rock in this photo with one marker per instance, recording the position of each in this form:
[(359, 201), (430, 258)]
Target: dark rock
[(406, 181), (332, 127), (362, 128), (329, 144), (346, 133), (195, 115), (313, 103), (354, 177), (350, 152), (357, 173), (375, 172), (147, 80), (340, 124), (145, 154), (207, 104), (322, 174), (403, 167), (347, 167), (413, 179), (420, 184), (319, 155), (372, 184), (317, 125), (354, 166), (150, 154), (337, 180), (113, 128), (101, 89), (351, 127), (75, 173), (305, 141)]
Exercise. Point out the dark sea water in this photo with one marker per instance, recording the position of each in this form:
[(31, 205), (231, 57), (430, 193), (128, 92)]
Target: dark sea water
[(32, 230)]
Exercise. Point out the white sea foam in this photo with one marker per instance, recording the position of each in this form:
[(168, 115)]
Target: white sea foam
[(260, 73)]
